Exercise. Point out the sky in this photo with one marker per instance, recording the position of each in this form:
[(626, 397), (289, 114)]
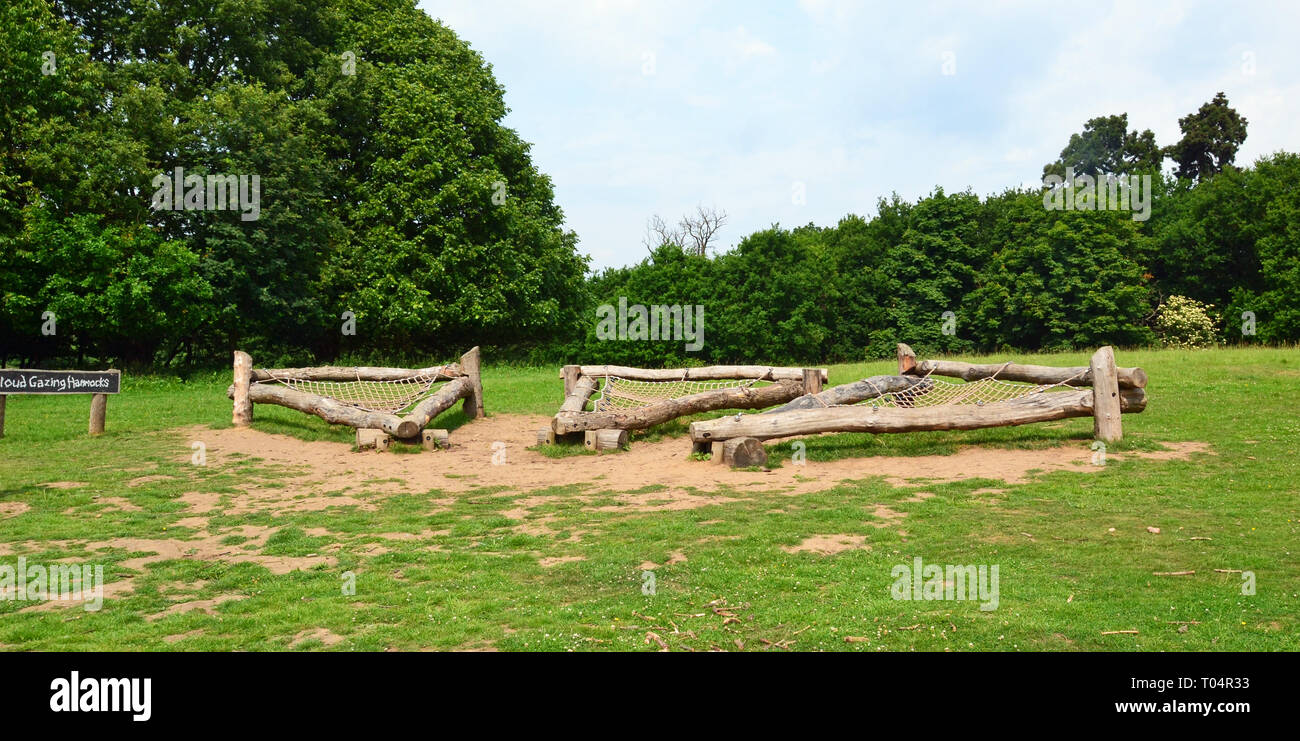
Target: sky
[(805, 111)]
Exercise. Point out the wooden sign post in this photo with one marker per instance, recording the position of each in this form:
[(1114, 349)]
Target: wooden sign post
[(45, 382)]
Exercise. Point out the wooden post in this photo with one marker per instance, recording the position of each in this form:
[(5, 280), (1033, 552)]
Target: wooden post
[(906, 359), (743, 452), (570, 375), (436, 439), (1106, 424), (243, 369), (98, 411), (812, 380), (2, 415), (469, 364)]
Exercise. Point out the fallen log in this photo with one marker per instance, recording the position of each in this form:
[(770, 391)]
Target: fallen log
[(709, 373), (439, 402), (852, 393), (569, 420), (1038, 407), (330, 410), (602, 440)]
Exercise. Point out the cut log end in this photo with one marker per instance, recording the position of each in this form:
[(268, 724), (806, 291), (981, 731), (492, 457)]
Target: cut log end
[(368, 439), (744, 452), (435, 439), (603, 440)]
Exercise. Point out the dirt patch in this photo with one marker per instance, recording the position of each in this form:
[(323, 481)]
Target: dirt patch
[(204, 606), (13, 509), (200, 501), (888, 517), (64, 485), (546, 563), (829, 545), (141, 481), (1173, 452), (182, 636), (363, 479), (326, 637), (675, 557), (920, 496)]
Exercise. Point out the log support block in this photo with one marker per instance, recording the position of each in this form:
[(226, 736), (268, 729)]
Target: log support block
[(812, 381), (546, 436), (98, 413), (743, 452), (704, 448), (603, 440), (435, 439), (243, 368), (376, 439)]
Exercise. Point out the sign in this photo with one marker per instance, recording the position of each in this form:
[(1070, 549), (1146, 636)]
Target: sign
[(21, 381)]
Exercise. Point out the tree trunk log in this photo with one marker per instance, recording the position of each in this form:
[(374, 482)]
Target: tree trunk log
[(1106, 426), (439, 402), (1129, 378), (242, 416), (743, 452), (330, 410), (98, 413), (470, 366), (852, 393), (706, 401), (812, 381), (360, 373), (906, 359), (602, 440), (1041, 407), (710, 373)]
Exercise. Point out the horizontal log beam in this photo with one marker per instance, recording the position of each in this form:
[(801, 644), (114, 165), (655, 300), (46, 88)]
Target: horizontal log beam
[(1129, 378), (358, 373), (567, 421), (852, 393), (332, 411), (709, 373), (439, 402), (1039, 407)]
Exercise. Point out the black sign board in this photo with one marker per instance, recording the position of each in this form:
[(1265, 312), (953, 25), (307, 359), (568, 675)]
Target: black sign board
[(20, 381)]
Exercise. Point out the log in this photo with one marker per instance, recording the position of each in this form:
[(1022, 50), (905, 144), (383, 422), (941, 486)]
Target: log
[(436, 439), (570, 374), (546, 436), (576, 400), (359, 373), (439, 402), (1039, 407), (242, 415), (98, 413), (906, 359), (602, 440), (709, 373), (1106, 425), (567, 421), (1129, 378), (743, 452), (812, 381), (852, 393), (377, 439), (332, 411), (470, 366)]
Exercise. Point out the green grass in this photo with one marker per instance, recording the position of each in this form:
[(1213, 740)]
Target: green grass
[(467, 577)]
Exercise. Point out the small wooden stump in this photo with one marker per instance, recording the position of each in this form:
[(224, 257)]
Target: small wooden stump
[(377, 439), (243, 371), (98, 413), (435, 439), (743, 452), (546, 436), (602, 440)]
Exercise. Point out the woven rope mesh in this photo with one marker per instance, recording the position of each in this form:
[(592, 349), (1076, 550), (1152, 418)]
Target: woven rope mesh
[(952, 393), (621, 394), (385, 397)]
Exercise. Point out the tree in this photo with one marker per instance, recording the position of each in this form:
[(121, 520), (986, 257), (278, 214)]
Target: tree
[(1211, 138), (693, 233), (1107, 147)]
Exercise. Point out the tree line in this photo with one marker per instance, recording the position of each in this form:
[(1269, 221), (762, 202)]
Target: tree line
[(399, 219)]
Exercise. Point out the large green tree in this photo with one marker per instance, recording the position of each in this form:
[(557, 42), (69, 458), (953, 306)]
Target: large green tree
[(1211, 137)]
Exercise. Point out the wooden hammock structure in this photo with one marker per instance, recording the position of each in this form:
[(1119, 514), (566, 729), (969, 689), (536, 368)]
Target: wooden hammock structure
[(604, 402), (992, 395), (398, 401)]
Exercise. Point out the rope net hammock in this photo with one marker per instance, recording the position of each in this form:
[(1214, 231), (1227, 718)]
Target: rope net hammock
[(622, 394), (384, 397), (939, 393)]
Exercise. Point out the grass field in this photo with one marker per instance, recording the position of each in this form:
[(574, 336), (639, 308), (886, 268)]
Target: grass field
[(478, 564)]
